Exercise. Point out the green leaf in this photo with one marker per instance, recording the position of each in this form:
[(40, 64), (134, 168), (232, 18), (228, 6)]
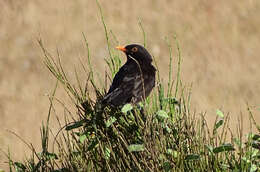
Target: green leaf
[(161, 115), (220, 113), (172, 100), (192, 157), (169, 151), (75, 125), (110, 121), (210, 148), (256, 137), (255, 145), (162, 157), (237, 142), (165, 126), (47, 155), (250, 136), (82, 138), (175, 154), (126, 108), (253, 168), (217, 125), (107, 153), (140, 104), (51, 156), (167, 166), (136, 148), (224, 148), (225, 167), (19, 166)]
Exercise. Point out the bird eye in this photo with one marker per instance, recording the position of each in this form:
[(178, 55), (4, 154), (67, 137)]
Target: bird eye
[(135, 49)]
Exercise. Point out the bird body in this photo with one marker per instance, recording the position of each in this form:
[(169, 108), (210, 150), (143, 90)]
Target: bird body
[(135, 79)]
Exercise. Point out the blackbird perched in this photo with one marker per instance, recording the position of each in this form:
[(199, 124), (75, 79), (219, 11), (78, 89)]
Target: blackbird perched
[(135, 79)]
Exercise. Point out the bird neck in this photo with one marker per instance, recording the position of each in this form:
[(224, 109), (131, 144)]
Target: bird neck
[(137, 62), (143, 61)]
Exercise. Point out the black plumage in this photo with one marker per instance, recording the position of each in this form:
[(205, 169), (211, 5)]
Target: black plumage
[(135, 79)]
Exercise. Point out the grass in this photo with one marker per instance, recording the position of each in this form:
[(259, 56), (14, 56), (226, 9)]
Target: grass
[(162, 134)]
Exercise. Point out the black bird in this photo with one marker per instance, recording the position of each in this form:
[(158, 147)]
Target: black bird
[(135, 79)]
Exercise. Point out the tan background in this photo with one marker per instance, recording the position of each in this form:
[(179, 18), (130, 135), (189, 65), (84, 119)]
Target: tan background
[(220, 44)]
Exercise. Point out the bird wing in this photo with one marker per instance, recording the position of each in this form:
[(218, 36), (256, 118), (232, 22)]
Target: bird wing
[(121, 89), (143, 86), (129, 85)]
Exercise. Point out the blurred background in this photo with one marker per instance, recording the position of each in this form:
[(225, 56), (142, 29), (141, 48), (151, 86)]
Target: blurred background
[(219, 41)]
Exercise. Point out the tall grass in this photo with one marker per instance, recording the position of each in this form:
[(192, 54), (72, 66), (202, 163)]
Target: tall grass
[(161, 134)]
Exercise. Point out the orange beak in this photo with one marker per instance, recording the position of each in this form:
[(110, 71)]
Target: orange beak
[(121, 48)]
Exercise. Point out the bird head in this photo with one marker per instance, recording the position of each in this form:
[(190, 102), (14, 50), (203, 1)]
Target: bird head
[(137, 52)]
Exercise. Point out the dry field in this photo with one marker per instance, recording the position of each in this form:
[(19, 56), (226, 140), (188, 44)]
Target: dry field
[(220, 44)]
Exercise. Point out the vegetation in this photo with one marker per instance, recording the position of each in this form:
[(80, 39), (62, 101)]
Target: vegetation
[(160, 134)]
